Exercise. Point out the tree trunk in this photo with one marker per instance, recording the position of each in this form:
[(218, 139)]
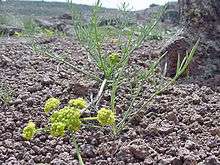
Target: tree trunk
[(199, 19)]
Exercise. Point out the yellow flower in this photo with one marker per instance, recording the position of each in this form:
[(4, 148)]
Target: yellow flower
[(51, 104), (57, 129), (106, 117), (69, 116), (29, 131), (77, 103)]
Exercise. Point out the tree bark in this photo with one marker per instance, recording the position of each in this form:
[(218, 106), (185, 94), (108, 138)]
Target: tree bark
[(199, 19)]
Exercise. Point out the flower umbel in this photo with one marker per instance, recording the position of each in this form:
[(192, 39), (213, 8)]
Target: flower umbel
[(77, 103), (57, 129), (106, 117), (29, 131), (69, 116), (51, 104)]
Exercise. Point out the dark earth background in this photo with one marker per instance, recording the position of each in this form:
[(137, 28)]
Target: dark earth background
[(180, 127)]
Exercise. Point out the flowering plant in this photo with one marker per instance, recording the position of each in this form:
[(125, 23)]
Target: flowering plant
[(67, 119)]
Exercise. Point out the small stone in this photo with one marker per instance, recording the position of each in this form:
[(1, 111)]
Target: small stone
[(190, 145), (48, 158), (64, 156), (171, 116), (30, 101), (26, 143), (176, 161), (12, 160), (166, 129), (109, 159), (152, 129), (57, 161), (17, 101), (7, 135), (167, 161), (31, 152), (7, 59), (27, 156), (59, 148), (94, 141), (17, 145), (43, 138), (47, 81), (36, 149), (189, 160), (138, 152), (24, 95), (102, 162), (53, 143), (34, 88), (196, 117), (183, 151), (8, 143), (196, 100), (19, 155), (38, 159), (215, 131), (3, 150), (88, 151), (172, 151), (31, 161), (148, 161), (212, 161)]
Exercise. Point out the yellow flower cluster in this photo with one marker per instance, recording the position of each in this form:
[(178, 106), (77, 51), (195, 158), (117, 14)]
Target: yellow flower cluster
[(51, 104), (29, 131), (57, 129), (66, 118), (106, 117), (77, 103)]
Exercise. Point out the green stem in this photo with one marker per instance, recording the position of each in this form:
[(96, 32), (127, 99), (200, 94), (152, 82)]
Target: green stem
[(182, 67), (127, 113), (45, 129), (89, 118), (114, 129), (127, 52), (155, 94), (146, 76), (77, 150), (113, 95), (57, 57)]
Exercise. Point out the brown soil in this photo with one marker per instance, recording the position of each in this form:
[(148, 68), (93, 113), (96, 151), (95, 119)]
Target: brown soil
[(180, 127)]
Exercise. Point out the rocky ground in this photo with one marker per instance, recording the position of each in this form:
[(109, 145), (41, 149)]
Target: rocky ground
[(180, 127)]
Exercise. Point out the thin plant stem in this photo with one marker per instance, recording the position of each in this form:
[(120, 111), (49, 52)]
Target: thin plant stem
[(67, 63), (184, 64), (77, 150), (89, 118), (140, 87), (127, 52), (180, 69)]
